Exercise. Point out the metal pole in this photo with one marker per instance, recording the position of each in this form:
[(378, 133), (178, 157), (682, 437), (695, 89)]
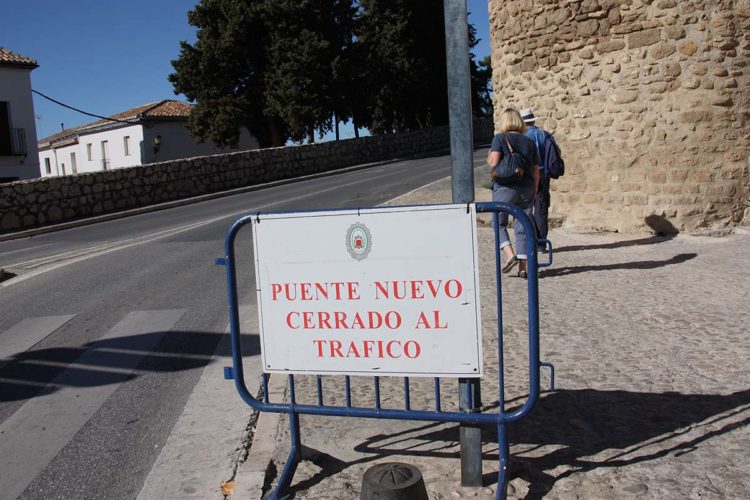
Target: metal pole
[(462, 177), (459, 100)]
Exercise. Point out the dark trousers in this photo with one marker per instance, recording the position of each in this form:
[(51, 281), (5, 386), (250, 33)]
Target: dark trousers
[(541, 209)]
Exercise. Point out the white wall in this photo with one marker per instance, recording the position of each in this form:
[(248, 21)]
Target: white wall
[(115, 145), (176, 143), (60, 160), (15, 88)]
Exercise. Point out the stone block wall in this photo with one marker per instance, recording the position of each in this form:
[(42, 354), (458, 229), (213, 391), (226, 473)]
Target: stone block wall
[(648, 99), (27, 204)]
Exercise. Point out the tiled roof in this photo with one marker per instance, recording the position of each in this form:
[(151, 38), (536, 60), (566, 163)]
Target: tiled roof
[(168, 108), (158, 110), (64, 136), (12, 59)]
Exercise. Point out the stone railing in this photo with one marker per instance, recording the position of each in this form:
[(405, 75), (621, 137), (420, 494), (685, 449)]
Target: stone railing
[(33, 203)]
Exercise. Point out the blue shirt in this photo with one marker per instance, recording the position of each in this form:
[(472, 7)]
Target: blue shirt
[(538, 136)]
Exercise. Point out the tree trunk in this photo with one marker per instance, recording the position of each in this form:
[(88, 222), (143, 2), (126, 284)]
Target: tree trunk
[(311, 136), (275, 130)]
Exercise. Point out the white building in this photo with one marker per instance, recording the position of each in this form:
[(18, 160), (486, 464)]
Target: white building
[(18, 152), (150, 133)]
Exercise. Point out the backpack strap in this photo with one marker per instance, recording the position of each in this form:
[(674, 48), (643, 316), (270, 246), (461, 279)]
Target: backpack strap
[(507, 144), (510, 148)]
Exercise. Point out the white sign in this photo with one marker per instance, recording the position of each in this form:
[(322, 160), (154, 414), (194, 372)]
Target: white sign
[(381, 291)]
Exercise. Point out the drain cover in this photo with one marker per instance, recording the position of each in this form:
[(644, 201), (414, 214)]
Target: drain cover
[(393, 481)]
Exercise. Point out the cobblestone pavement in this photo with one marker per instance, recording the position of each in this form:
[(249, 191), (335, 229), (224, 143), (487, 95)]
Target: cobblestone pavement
[(649, 336)]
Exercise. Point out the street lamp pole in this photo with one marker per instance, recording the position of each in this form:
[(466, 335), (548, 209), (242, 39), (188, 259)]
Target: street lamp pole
[(462, 184)]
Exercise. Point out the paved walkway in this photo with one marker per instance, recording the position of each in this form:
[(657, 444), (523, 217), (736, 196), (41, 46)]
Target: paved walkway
[(649, 336)]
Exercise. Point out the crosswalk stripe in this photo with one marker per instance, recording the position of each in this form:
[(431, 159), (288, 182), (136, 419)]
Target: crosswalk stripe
[(55, 418), (25, 334)]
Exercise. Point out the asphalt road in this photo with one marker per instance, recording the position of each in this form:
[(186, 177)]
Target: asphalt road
[(105, 328)]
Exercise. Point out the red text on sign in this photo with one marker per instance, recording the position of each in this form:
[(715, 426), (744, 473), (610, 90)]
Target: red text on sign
[(367, 349), (336, 290), (418, 289), (340, 320)]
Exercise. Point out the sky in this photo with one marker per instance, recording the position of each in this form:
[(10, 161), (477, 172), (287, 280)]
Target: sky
[(105, 56)]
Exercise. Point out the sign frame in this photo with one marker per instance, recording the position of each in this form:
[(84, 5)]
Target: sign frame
[(326, 262)]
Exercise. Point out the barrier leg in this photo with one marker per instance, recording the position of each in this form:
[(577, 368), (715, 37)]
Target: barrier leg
[(470, 435), (551, 374), (504, 452), (292, 461)]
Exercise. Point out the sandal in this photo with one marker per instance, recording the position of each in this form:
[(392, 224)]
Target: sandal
[(523, 274), (510, 264)]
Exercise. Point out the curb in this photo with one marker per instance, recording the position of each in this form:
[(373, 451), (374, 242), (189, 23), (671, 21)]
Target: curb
[(251, 475)]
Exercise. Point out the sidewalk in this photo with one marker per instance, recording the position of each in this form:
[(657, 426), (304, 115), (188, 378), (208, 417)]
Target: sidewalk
[(649, 336)]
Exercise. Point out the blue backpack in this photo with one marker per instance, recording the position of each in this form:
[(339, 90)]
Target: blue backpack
[(555, 163)]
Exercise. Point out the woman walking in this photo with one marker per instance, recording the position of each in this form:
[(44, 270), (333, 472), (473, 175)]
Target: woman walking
[(519, 189)]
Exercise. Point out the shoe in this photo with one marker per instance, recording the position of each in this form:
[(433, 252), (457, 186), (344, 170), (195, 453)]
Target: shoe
[(523, 274), (510, 264)]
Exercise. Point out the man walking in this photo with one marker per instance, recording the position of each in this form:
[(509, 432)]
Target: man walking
[(551, 167)]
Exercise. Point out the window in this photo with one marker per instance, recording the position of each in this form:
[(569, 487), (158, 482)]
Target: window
[(105, 155), (6, 142), (126, 145), (88, 151), (47, 166), (73, 164), (62, 165)]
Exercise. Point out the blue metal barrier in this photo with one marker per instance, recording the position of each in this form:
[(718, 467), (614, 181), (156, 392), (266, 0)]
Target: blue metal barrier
[(501, 418)]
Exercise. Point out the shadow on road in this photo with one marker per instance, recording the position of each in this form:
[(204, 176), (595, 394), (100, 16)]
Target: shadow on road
[(651, 240), (111, 361), (643, 264)]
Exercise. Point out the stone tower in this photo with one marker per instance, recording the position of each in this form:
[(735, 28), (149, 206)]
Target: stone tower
[(649, 100)]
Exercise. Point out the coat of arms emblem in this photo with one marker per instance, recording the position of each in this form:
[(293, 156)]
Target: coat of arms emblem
[(358, 241)]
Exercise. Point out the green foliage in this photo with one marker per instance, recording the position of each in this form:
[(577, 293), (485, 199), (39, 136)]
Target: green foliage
[(223, 72), (481, 80), (306, 49), (403, 48), (288, 68)]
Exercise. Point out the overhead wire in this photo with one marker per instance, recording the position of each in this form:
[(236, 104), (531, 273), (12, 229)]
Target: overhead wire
[(81, 111)]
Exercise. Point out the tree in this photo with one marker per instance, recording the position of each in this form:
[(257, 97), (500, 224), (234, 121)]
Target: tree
[(402, 45), (481, 80), (287, 68), (224, 73), (274, 66), (307, 47), (347, 75)]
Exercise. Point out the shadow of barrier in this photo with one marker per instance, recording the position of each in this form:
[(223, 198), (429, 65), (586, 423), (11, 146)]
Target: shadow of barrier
[(499, 417), (577, 431), (37, 372)]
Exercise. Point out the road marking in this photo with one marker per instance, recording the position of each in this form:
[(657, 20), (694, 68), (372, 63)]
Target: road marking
[(74, 255), (45, 264), (42, 265), (24, 249), (35, 434), (27, 333)]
